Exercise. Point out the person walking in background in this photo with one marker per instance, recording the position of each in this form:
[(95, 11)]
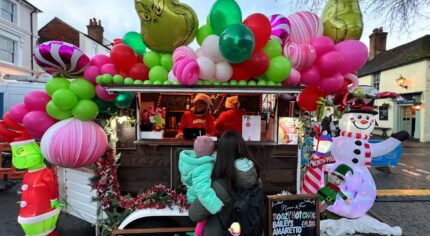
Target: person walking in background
[(231, 119)]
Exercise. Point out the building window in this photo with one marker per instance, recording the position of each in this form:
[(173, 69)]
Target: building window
[(7, 50), (376, 80), (94, 49), (8, 11)]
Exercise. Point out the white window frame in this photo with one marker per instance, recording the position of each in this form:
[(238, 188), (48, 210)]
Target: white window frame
[(94, 49), (15, 14), (18, 48), (376, 80)]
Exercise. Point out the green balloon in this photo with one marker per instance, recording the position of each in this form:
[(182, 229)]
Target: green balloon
[(262, 83), (252, 83), (102, 105), (128, 81), (147, 82), (85, 110), (208, 20), (138, 82), (118, 79), (223, 14), (55, 84), (233, 83), (152, 59), (134, 40), (279, 69), (167, 82), (216, 83), (225, 84), (157, 82), (64, 99), (236, 43), (271, 83), (107, 79), (243, 83), (123, 100), (56, 112), (273, 49), (199, 82), (83, 89), (207, 82), (99, 79), (202, 33), (166, 61), (158, 73), (176, 83)]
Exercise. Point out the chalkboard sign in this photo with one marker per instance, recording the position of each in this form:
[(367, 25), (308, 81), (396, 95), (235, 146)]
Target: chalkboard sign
[(293, 215), (383, 113)]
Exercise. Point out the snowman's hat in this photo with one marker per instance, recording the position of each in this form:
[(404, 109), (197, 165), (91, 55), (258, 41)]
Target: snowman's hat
[(342, 169), (360, 106)]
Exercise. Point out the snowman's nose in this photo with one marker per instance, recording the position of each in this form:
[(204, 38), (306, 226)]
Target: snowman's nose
[(364, 122)]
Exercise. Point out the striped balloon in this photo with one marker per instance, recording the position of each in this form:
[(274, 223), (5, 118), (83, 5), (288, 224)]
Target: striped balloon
[(74, 143), (293, 79), (305, 27), (302, 56), (281, 28), (61, 59)]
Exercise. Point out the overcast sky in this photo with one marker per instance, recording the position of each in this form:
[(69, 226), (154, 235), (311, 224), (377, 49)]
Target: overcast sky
[(119, 17)]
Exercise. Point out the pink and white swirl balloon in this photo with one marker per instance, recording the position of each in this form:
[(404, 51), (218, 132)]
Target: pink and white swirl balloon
[(61, 59), (302, 56), (281, 28), (305, 27), (186, 71)]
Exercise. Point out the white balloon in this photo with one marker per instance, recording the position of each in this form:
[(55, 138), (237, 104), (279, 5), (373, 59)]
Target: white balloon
[(172, 77), (207, 68), (223, 71), (199, 52), (210, 48)]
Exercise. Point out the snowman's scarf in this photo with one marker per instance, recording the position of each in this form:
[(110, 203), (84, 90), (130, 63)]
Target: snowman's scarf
[(364, 137)]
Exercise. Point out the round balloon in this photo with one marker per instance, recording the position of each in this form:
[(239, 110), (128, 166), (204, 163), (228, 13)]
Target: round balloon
[(223, 71), (260, 26), (123, 99), (183, 52), (134, 40), (207, 68), (61, 59), (281, 28), (236, 43), (56, 112), (310, 76), (305, 27), (223, 14), (331, 84), (100, 59), (123, 57), (91, 73), (64, 99), (139, 72), (355, 54), (55, 84), (302, 56), (82, 88), (293, 79), (85, 110), (308, 98), (279, 69), (211, 48), (36, 100), (17, 112), (203, 33), (38, 122)]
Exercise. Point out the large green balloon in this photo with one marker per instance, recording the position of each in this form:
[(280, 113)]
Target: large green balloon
[(56, 83), (279, 69), (83, 89), (134, 40), (236, 43), (158, 73), (85, 110), (102, 105), (223, 14), (203, 33), (152, 59), (273, 49), (56, 112), (64, 99), (123, 100)]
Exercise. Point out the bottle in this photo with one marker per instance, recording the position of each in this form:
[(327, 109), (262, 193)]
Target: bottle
[(188, 105)]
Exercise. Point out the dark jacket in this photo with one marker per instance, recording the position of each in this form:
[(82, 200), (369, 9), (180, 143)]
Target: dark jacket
[(246, 178)]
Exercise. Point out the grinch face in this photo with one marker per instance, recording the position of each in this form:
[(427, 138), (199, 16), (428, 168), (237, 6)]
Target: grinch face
[(357, 122)]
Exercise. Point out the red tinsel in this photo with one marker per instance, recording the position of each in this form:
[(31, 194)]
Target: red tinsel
[(108, 189)]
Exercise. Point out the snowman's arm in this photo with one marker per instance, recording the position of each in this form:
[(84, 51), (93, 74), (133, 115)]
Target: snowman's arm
[(384, 147)]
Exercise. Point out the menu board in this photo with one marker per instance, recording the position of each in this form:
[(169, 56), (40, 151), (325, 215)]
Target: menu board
[(293, 215), (383, 113), (287, 131), (251, 128)]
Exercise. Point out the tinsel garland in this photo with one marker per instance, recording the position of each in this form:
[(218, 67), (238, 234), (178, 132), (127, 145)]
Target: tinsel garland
[(108, 189)]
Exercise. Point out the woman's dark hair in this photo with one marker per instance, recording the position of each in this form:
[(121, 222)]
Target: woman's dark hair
[(231, 146)]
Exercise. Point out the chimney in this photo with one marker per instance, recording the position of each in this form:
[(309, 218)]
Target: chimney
[(95, 30), (378, 42)]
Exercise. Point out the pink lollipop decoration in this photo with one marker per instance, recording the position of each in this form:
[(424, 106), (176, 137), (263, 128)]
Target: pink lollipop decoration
[(61, 59), (183, 52), (293, 79), (186, 71), (281, 28), (301, 55), (74, 143), (305, 27)]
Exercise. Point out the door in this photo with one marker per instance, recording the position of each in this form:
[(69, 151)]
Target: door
[(407, 119)]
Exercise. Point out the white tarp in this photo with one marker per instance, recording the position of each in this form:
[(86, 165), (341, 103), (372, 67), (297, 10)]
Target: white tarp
[(365, 224)]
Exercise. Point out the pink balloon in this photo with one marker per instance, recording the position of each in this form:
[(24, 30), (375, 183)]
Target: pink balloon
[(103, 94), (323, 45), (108, 69), (91, 73), (305, 27), (355, 54), (99, 60), (301, 55), (310, 77), (36, 100), (186, 71), (330, 63), (18, 112), (35, 134), (38, 121), (331, 84), (183, 52), (293, 79)]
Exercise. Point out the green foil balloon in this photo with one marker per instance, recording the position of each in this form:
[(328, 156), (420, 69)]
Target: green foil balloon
[(203, 32), (134, 40), (123, 100), (85, 110), (342, 20), (236, 43), (166, 24), (223, 14)]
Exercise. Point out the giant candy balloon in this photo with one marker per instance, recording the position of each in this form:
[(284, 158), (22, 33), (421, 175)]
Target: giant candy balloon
[(74, 143), (281, 28), (305, 27), (166, 25), (61, 59)]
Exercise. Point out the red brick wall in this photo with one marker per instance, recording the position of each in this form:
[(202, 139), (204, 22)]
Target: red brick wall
[(58, 30)]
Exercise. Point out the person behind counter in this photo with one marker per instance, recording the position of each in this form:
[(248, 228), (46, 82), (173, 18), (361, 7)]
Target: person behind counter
[(198, 117), (231, 119)]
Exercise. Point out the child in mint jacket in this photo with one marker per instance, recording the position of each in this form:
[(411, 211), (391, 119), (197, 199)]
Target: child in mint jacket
[(196, 168)]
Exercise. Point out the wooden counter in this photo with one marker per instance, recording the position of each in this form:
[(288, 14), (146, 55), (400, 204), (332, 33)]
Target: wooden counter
[(156, 161)]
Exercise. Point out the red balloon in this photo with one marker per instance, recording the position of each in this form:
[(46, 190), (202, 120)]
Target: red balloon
[(240, 72), (139, 58), (260, 27), (123, 57), (139, 72), (117, 41), (308, 98), (257, 64)]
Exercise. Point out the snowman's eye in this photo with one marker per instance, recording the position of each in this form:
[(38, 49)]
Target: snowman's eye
[(367, 117), (359, 117)]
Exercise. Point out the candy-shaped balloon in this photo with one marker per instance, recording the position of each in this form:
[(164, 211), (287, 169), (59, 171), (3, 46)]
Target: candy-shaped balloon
[(186, 71), (342, 20), (305, 27), (302, 56), (281, 28), (157, 19), (293, 79), (61, 59)]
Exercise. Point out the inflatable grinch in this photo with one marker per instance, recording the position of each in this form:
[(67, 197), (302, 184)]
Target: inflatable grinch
[(39, 202)]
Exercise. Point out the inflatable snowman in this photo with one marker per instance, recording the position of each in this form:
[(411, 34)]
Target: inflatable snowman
[(353, 149)]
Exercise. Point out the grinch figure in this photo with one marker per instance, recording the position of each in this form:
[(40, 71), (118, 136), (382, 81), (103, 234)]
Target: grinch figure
[(39, 202), (329, 192)]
